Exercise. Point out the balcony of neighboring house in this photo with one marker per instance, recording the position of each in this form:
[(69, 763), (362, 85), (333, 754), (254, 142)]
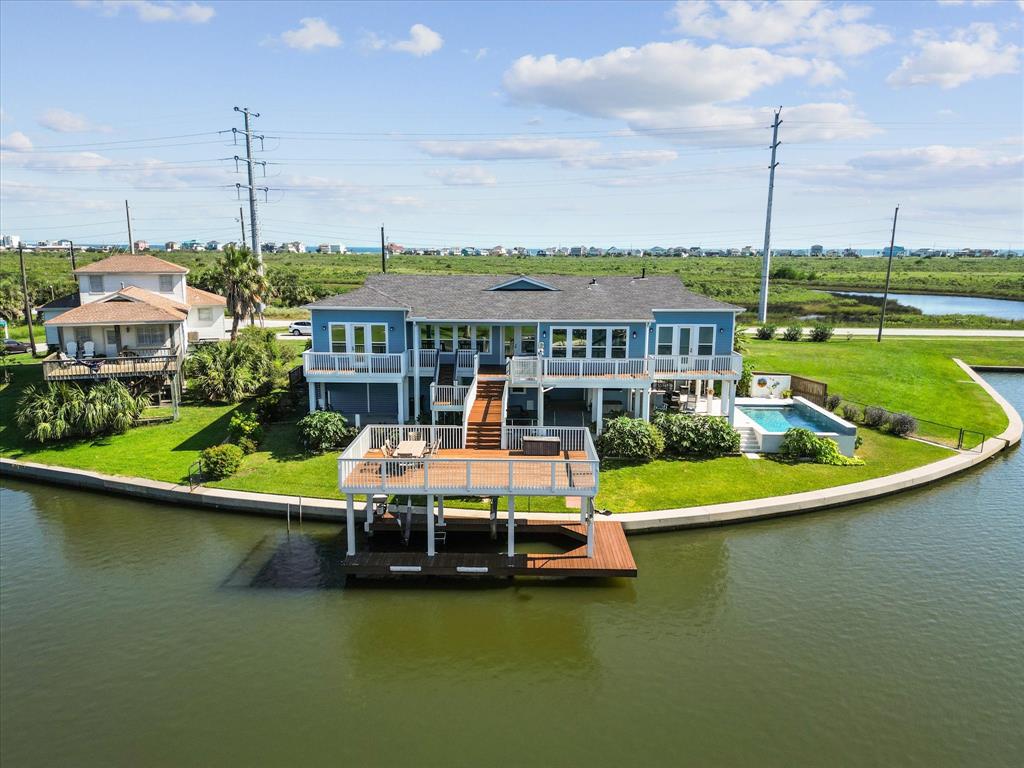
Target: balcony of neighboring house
[(418, 460), (127, 363)]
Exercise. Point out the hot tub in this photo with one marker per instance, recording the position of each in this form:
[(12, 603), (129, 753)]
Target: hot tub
[(768, 420)]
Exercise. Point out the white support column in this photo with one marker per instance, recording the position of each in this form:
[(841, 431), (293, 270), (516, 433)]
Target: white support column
[(400, 386), (645, 404), (589, 504), (592, 394), (511, 526), (431, 551), (321, 396), (350, 523), (540, 406), (369, 514), (312, 397), (731, 415), (599, 409), (440, 509), (416, 369)]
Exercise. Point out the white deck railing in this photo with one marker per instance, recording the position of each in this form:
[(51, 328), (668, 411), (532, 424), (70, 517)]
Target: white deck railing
[(696, 365), (504, 414), (523, 368), (453, 395), (628, 367), (378, 364), (466, 362), (572, 438), (467, 406), (482, 473), (427, 357)]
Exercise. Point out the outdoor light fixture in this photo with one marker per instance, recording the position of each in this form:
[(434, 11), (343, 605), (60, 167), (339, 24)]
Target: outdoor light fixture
[(323, 327), (634, 334), (391, 328)]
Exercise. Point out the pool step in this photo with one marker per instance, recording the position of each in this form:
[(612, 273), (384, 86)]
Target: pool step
[(748, 440)]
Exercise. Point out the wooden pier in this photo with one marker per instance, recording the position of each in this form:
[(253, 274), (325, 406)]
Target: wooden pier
[(612, 555)]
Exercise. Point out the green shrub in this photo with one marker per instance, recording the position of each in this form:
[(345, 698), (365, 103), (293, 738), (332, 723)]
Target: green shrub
[(245, 425), (766, 332), (793, 333), (874, 416), (800, 443), (822, 332), (220, 461), (850, 412), (322, 431), (633, 439), (248, 445), (832, 402), (743, 385), (687, 435), (229, 371), (902, 424), (54, 411)]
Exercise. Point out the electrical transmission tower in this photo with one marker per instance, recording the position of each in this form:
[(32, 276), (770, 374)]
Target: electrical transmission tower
[(254, 220)]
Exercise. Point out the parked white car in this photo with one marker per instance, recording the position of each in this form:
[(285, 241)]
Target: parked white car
[(301, 328)]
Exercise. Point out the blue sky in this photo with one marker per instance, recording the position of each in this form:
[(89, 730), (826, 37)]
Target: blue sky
[(531, 124)]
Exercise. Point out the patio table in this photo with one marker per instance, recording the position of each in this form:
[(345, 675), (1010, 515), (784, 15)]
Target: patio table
[(411, 449)]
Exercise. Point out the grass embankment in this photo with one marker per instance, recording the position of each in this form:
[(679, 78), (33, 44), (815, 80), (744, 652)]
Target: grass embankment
[(796, 291), (913, 375)]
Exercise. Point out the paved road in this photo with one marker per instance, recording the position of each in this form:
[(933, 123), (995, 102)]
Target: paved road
[(944, 332)]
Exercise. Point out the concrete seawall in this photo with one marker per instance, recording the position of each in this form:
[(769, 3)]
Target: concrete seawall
[(634, 522)]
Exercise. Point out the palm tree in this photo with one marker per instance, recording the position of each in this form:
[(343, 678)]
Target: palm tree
[(245, 287)]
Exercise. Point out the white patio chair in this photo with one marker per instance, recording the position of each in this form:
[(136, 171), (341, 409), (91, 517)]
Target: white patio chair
[(88, 349), (72, 347)]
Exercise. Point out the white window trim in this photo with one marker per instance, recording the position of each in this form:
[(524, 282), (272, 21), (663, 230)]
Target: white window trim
[(92, 288), (434, 335), (350, 336), (590, 340), (208, 311), (694, 330), (170, 283)]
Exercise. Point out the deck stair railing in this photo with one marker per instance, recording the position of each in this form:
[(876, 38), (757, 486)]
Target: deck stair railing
[(467, 407), (504, 415)]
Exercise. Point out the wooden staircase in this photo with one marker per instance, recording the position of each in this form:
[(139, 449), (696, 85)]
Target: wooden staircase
[(446, 375), (485, 418)]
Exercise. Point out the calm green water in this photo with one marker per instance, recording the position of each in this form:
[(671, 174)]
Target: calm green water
[(890, 633)]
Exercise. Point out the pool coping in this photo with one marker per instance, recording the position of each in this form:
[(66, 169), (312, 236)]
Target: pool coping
[(333, 510)]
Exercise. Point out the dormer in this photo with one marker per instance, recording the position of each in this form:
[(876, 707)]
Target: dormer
[(522, 283)]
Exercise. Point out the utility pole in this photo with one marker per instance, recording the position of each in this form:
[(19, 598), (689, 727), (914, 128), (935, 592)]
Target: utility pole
[(241, 218), (74, 265), (766, 258), (28, 304), (128, 216), (249, 162), (888, 273), (383, 252)]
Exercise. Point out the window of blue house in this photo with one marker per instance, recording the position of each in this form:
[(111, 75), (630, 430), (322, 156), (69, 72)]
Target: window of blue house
[(706, 340), (339, 338)]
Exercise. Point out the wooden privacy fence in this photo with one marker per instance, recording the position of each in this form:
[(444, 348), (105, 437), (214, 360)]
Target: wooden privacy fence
[(809, 389)]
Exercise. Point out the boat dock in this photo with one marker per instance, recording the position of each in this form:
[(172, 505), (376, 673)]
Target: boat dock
[(611, 557)]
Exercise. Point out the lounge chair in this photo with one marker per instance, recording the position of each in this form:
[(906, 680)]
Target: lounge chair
[(387, 449)]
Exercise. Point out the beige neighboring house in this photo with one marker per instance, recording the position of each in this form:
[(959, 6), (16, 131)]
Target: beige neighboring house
[(133, 315)]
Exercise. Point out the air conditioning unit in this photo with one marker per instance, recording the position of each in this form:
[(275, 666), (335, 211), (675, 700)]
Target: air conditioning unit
[(193, 336)]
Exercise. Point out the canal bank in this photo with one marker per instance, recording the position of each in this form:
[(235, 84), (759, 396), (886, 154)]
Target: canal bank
[(298, 508)]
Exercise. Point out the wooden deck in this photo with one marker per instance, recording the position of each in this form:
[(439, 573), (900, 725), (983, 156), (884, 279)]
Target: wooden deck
[(55, 369), (469, 470), (612, 555)]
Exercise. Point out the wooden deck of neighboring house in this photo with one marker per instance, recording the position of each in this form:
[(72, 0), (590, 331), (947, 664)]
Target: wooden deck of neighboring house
[(56, 368), (612, 555)]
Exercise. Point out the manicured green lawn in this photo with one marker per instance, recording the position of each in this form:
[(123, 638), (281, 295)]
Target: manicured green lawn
[(916, 376), (158, 452)]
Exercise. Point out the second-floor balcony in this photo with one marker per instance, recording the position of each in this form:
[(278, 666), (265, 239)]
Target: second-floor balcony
[(525, 370), (335, 366)]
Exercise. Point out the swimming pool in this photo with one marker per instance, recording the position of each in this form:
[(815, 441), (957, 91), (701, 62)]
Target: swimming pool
[(779, 418)]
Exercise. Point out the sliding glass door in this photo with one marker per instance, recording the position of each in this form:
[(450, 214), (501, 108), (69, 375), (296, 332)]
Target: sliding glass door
[(599, 343), (678, 340)]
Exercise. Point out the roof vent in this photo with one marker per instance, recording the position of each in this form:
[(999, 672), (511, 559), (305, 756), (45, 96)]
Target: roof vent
[(593, 281)]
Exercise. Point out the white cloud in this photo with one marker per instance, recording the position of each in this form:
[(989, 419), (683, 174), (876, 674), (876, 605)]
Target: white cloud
[(16, 141), (511, 148), (800, 24), (422, 41), (654, 76), (973, 53), (312, 33), (153, 11), (639, 158), (931, 167), (469, 176), (62, 121), (975, 3)]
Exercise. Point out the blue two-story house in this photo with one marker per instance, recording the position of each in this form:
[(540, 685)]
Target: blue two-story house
[(493, 352)]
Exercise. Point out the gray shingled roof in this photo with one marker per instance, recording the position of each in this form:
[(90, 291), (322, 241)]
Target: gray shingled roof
[(468, 297)]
